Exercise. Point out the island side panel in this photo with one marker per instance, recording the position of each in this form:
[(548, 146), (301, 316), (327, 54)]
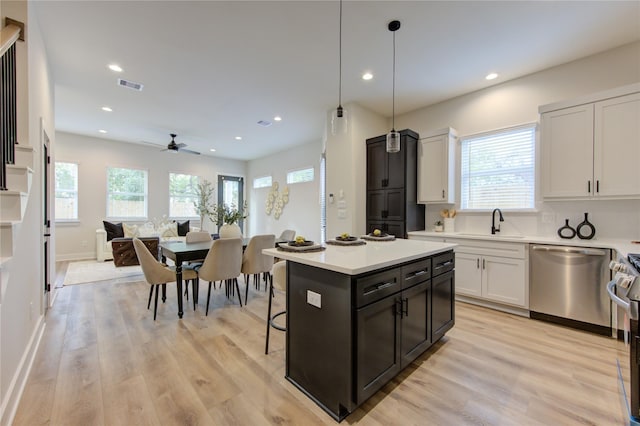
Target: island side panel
[(319, 339)]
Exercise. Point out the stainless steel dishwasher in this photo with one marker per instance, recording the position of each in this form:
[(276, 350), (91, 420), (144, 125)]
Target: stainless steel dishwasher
[(567, 285)]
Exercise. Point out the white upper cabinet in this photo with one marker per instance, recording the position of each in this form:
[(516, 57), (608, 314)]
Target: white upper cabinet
[(591, 150), (436, 167)]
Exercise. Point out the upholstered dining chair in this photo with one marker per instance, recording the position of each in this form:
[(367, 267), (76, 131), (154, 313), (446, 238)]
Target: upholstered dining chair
[(288, 235), (155, 273), (223, 263), (195, 237), (255, 263), (279, 282)]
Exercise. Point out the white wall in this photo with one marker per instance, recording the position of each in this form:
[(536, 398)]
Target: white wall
[(302, 213), (516, 102), (23, 305), (347, 167), (94, 155)]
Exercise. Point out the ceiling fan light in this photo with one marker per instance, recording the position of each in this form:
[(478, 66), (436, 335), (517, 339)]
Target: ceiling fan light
[(393, 141)]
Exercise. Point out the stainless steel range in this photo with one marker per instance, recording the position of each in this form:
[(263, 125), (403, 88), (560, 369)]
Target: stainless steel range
[(624, 290)]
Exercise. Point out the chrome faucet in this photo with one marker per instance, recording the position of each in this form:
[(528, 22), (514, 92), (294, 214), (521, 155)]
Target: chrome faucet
[(493, 221)]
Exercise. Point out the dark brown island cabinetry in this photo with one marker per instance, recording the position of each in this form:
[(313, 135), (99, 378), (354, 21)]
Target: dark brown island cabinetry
[(392, 186), (369, 327)]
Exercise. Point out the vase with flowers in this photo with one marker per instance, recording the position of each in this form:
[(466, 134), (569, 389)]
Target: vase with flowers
[(227, 218)]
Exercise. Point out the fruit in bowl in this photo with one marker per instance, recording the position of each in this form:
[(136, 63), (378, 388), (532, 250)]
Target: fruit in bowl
[(377, 233), (300, 239), (345, 237)]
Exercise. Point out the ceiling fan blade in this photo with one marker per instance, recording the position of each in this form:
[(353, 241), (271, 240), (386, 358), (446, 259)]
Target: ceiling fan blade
[(181, 145), (189, 151)]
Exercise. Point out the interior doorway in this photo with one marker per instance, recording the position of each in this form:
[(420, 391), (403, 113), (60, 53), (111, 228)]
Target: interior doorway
[(231, 193)]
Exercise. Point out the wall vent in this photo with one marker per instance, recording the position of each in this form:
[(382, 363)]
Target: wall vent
[(130, 84), (264, 123)]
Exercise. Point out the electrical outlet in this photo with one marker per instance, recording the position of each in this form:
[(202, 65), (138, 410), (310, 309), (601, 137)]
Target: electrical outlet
[(548, 217), (314, 299)]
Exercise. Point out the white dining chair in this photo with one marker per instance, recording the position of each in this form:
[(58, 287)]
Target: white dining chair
[(255, 263), (223, 263)]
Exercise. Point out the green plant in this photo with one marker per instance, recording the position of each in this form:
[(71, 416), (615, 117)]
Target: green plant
[(204, 201), (438, 223), (229, 214)]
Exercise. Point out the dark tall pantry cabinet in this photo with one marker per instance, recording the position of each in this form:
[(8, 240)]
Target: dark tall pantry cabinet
[(392, 186)]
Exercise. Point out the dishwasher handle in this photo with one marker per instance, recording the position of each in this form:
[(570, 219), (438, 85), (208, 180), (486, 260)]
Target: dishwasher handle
[(630, 308), (564, 249)]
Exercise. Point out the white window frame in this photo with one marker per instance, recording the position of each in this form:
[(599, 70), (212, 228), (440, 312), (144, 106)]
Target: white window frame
[(144, 194), (292, 173), (185, 196), (73, 191), (526, 171), (257, 182)]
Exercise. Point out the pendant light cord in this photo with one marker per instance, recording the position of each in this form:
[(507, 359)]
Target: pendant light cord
[(393, 92), (340, 59)]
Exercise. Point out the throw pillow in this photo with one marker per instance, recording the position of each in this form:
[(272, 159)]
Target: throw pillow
[(114, 230), (169, 230), (147, 230), (183, 228), (130, 231)]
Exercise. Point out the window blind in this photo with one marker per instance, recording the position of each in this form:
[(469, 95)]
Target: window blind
[(498, 169)]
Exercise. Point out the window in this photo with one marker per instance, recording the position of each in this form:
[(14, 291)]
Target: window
[(126, 193), (66, 205), (498, 169), (182, 195), (299, 176), (262, 182)]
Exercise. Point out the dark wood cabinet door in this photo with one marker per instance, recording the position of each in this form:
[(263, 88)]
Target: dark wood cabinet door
[(394, 208), (442, 304), (378, 334), (376, 205), (396, 167), (416, 326), (376, 165), (396, 228)]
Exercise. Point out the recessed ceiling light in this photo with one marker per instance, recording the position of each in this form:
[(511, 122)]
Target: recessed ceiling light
[(115, 67), (102, 131), (277, 118), (367, 76), (491, 76), (106, 108), (238, 138), (212, 150)]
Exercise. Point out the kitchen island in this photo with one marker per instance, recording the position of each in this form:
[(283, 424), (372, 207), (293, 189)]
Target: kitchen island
[(357, 315)]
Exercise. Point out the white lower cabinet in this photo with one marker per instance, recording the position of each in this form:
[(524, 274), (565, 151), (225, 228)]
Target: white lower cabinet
[(490, 273)]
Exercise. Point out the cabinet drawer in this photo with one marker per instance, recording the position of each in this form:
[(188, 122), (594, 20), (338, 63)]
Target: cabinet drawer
[(375, 287), (443, 263), (416, 272)]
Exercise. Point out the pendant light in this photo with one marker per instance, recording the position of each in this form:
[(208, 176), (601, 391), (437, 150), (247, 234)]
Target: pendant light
[(339, 116), (393, 137)]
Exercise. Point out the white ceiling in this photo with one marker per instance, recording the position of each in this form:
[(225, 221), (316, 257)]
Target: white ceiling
[(212, 69)]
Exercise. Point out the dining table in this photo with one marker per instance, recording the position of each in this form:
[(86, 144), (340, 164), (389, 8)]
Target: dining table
[(179, 252)]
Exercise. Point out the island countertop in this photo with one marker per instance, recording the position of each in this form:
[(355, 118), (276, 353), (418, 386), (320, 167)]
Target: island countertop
[(354, 260)]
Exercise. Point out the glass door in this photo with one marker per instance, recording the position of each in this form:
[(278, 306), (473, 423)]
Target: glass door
[(231, 193)]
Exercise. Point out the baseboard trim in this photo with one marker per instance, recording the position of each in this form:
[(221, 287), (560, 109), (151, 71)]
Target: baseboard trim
[(19, 381), (497, 306)]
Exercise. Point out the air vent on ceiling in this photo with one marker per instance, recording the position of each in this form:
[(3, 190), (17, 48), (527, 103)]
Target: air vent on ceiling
[(130, 84), (264, 123)]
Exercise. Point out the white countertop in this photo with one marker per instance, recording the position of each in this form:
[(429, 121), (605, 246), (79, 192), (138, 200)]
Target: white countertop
[(623, 247), (354, 260)]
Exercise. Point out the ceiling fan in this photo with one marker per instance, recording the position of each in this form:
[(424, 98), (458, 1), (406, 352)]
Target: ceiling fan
[(178, 147)]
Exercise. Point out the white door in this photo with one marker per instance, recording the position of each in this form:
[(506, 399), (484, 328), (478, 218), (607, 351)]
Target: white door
[(468, 274), (567, 152), (432, 169), (617, 146)]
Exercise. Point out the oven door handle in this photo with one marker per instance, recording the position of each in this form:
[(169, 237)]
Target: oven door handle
[(630, 308)]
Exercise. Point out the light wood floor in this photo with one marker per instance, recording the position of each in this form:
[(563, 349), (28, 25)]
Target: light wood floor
[(104, 361)]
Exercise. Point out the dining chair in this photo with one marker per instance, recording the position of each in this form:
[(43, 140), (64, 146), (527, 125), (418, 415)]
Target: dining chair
[(223, 263), (255, 263), (155, 273), (288, 235), (279, 282), (195, 237)]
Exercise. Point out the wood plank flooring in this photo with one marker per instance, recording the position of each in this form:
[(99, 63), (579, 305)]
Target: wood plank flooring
[(104, 361)]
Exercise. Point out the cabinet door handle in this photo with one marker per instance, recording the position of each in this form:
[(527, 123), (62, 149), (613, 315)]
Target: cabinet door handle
[(443, 194), (397, 307), (589, 186), (478, 263), (377, 287), (412, 275), (598, 186), (483, 264), (405, 310)]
